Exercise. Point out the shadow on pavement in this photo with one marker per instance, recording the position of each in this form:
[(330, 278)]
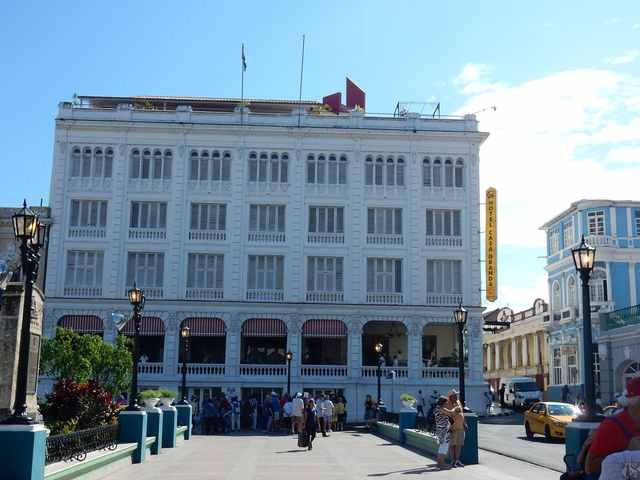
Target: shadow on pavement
[(412, 471), (293, 451), (542, 440)]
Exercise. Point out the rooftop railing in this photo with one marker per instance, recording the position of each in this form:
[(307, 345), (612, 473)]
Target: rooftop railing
[(622, 318)]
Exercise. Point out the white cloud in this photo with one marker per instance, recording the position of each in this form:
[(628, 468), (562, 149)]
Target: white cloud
[(612, 21), (636, 26), (555, 140), (521, 298), (472, 79), (627, 57)]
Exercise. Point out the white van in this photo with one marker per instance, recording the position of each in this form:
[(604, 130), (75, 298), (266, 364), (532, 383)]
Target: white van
[(521, 391)]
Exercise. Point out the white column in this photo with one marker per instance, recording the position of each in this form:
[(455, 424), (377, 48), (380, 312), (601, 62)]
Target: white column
[(513, 353), (171, 345), (536, 349), (489, 359), (525, 351), (354, 349), (414, 354), (496, 351), (233, 345)]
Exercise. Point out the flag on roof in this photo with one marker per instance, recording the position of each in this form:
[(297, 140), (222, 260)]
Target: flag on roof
[(244, 60)]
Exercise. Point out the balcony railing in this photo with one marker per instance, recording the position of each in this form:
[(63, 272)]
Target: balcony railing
[(623, 317), (270, 237), (87, 232), (444, 298), (149, 184), (440, 372), (209, 185), (261, 187), (444, 241), (325, 238), (384, 239), (372, 372), (263, 370), (443, 193), (149, 292), (151, 368), (325, 189), (384, 298), (265, 295), (203, 369), (325, 297), (147, 233), (204, 293), (208, 235), (91, 183), (600, 240), (323, 371), (82, 291)]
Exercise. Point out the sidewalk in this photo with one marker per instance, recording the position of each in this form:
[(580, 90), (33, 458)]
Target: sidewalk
[(344, 455)]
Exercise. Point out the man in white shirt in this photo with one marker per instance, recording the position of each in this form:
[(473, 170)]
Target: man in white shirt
[(420, 403), (297, 412), (325, 414)]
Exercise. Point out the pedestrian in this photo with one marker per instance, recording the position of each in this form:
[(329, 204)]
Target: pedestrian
[(326, 414), (368, 410), (245, 414), (488, 398), (267, 414), (623, 465), (502, 388), (615, 432), (287, 410), (310, 423), (565, 393), (420, 404), (235, 413), (297, 413), (276, 411), (208, 416), (442, 432), (339, 410), (456, 436)]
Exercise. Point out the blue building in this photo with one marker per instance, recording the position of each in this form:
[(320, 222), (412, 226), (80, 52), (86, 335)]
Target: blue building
[(613, 227)]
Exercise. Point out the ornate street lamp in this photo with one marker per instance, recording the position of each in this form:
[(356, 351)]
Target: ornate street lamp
[(378, 348), (136, 299), (185, 338), (460, 317), (31, 234), (289, 358), (583, 258)]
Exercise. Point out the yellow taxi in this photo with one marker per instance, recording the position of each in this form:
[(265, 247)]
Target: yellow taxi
[(549, 419)]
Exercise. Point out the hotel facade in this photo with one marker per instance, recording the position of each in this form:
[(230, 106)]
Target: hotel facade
[(270, 227)]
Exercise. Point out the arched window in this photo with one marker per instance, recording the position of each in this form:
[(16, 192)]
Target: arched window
[(437, 172), (265, 168), (379, 172), (98, 163), (342, 170), (108, 163), (572, 299), (76, 155), (459, 173), (389, 171), (90, 162), (557, 296), (368, 171), (448, 173), (167, 164), (598, 286), (135, 163), (145, 167), (426, 172), (86, 162)]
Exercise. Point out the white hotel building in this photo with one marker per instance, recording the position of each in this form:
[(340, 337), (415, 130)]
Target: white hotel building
[(270, 228)]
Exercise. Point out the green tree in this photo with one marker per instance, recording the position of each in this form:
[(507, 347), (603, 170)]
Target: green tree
[(81, 358)]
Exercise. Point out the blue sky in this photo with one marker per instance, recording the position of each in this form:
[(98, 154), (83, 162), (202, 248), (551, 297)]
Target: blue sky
[(564, 76)]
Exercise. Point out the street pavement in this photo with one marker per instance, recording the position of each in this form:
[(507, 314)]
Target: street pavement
[(346, 455), (505, 435)]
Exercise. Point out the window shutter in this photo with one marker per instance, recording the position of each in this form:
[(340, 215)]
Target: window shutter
[(340, 219), (253, 218), (398, 273)]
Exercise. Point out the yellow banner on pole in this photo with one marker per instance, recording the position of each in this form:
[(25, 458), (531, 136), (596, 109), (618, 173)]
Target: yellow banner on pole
[(491, 244)]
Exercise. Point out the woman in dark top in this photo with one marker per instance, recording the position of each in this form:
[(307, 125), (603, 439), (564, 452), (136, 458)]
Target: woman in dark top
[(310, 422)]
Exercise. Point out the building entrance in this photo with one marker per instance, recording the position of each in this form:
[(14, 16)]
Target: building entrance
[(259, 393), (316, 392)]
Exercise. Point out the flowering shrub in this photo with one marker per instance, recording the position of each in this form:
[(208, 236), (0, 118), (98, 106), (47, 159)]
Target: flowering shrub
[(76, 406)]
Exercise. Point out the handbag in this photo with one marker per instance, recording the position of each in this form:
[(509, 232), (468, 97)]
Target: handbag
[(303, 439)]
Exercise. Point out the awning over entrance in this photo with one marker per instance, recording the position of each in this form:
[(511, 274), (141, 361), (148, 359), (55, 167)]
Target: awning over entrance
[(264, 327), (322, 328), (150, 326), (205, 327), (82, 323)]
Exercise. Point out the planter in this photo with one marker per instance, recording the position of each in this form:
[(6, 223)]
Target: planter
[(150, 402), (408, 404), (166, 401)]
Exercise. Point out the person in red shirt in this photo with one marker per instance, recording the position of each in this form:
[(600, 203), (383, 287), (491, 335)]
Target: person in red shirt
[(614, 433)]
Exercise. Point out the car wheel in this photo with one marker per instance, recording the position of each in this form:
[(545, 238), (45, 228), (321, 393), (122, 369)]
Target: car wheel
[(528, 431), (547, 432)]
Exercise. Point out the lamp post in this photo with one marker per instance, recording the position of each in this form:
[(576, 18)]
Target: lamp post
[(460, 317), (185, 337), (378, 349), (136, 299), (31, 234), (583, 258), (289, 358)]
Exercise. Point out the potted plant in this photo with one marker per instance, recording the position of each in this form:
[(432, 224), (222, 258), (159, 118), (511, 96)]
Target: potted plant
[(408, 400), (150, 398), (167, 396)]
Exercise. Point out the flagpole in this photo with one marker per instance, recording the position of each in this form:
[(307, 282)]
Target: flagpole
[(300, 92), (242, 68)]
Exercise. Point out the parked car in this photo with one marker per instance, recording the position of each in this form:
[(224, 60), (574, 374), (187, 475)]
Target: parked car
[(549, 419), (521, 392)]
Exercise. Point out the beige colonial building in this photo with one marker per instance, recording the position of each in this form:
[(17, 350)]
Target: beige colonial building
[(518, 347)]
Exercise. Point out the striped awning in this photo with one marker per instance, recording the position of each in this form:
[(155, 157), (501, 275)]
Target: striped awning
[(324, 328), (82, 323), (205, 327), (264, 327), (150, 327)]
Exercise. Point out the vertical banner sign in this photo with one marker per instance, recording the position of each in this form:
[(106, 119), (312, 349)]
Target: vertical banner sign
[(491, 244)]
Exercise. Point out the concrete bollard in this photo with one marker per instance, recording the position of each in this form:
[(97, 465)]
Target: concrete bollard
[(154, 428), (185, 418), (132, 428), (169, 426), (23, 451), (469, 454)]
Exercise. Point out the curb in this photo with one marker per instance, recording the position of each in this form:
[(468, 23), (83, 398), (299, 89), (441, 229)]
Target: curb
[(537, 464)]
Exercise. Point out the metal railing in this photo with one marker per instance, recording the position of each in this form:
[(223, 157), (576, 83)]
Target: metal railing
[(76, 445), (623, 317)]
